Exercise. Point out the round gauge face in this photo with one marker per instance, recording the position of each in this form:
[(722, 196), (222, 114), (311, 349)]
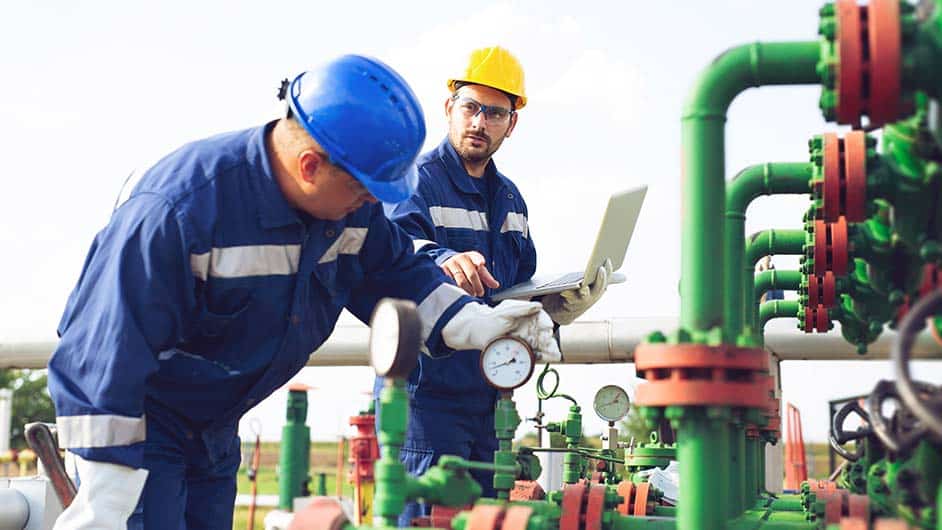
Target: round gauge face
[(507, 363), (611, 403), (384, 338), (394, 338)]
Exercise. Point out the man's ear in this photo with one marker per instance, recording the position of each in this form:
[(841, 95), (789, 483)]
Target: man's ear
[(513, 123), (449, 102), (308, 163)]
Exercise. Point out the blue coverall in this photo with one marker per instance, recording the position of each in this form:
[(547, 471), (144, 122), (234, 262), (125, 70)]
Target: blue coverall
[(206, 292), (452, 405)]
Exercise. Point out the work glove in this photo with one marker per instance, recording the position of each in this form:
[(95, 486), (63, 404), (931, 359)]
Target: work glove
[(105, 499), (566, 306), (476, 325)]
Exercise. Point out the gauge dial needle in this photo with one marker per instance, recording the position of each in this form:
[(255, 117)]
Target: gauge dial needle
[(511, 361)]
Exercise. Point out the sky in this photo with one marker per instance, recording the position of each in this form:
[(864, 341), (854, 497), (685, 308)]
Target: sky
[(93, 89)]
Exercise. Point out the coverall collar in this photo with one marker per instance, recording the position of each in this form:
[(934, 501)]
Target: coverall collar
[(274, 210), (456, 171)]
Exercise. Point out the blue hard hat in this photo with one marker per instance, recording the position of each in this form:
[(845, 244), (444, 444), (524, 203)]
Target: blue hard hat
[(367, 119)]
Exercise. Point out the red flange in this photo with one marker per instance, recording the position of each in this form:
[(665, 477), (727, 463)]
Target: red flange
[(571, 507), (822, 322), (641, 499), (829, 289), (441, 516), (850, 65), (516, 518), (813, 290), (486, 517), (883, 25), (697, 374), (839, 246), (626, 490), (595, 507), (821, 262), (832, 177), (855, 176), (853, 523), (858, 506), (809, 320)]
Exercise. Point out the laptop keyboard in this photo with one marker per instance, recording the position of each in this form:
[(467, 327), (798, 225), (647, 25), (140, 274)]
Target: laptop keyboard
[(562, 280)]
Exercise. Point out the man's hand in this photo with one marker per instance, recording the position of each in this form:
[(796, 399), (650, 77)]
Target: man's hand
[(106, 497), (469, 270), (475, 325)]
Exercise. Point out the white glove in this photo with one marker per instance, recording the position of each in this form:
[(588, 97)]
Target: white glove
[(105, 499), (566, 306), (475, 325)]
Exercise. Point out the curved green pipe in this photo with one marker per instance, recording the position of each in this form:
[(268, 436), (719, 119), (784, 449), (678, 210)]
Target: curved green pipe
[(749, 184), (759, 245), (775, 279), (777, 309), (702, 289), (703, 140)]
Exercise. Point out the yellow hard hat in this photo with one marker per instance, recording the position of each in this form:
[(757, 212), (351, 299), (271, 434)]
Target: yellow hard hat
[(497, 68)]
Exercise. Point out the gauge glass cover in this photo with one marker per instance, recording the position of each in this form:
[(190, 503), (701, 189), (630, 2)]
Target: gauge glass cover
[(507, 363), (611, 403)]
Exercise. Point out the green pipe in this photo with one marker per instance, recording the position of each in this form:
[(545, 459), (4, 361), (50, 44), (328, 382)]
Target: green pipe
[(294, 456), (777, 309), (506, 421), (629, 522), (704, 179), (749, 184), (737, 466), (751, 476), (775, 279), (702, 446), (759, 245), (391, 479)]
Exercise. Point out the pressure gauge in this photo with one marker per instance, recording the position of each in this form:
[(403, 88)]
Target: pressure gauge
[(507, 363), (611, 403), (394, 338)]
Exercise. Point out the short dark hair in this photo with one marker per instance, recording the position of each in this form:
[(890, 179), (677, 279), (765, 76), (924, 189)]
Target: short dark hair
[(511, 97)]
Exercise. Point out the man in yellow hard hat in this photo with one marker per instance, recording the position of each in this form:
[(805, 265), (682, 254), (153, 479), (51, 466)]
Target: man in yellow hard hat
[(472, 220)]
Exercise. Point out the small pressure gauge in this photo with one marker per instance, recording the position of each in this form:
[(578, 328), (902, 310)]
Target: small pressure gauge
[(611, 403), (507, 363), (394, 338)]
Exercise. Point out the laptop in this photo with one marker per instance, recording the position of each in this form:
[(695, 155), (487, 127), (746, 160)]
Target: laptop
[(618, 224)]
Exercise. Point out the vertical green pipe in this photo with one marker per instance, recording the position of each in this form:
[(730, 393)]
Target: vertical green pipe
[(294, 458), (751, 474), (702, 446), (704, 195), (750, 183), (506, 421), (737, 466), (390, 474)]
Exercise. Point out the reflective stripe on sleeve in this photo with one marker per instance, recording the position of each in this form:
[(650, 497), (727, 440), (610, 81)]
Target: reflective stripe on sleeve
[(447, 217), (100, 430), (433, 305), (350, 241), (516, 222), (250, 260), (418, 244)]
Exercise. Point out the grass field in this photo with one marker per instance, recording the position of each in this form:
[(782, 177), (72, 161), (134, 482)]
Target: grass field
[(324, 457)]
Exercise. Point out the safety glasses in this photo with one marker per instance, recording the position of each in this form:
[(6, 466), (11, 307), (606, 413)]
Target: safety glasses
[(470, 108)]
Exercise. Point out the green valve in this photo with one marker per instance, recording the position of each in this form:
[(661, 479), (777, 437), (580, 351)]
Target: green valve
[(294, 458)]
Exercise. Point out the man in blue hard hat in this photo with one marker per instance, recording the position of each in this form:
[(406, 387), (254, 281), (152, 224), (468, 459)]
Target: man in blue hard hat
[(472, 220), (228, 264)]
